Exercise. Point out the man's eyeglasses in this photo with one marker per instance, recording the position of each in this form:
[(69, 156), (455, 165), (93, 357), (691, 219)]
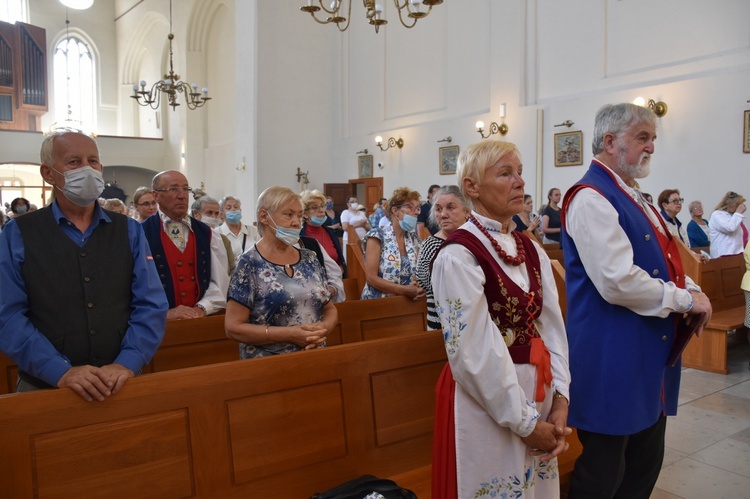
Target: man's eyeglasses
[(677, 201), (147, 203), (175, 189)]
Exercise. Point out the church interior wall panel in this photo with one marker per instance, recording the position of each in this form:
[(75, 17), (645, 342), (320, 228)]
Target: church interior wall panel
[(684, 34), (294, 98), (221, 79)]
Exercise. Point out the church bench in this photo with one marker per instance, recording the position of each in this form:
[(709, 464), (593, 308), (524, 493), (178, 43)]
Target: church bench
[(197, 342), (720, 280), (284, 426)]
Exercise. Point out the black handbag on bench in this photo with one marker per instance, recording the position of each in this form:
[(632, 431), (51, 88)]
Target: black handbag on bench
[(359, 488)]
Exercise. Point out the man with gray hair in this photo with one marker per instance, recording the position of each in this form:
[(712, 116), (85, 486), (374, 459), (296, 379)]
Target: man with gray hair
[(81, 305), (627, 296)]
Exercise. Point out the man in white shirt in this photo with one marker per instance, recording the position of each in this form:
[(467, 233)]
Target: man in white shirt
[(627, 294)]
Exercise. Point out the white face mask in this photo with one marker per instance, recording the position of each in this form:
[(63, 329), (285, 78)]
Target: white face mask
[(353, 206), (211, 221), (82, 185)]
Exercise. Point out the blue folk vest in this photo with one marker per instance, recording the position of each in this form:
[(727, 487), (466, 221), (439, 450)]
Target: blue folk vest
[(620, 383)]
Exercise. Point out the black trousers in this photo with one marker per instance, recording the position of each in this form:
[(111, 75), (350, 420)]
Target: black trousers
[(618, 466)]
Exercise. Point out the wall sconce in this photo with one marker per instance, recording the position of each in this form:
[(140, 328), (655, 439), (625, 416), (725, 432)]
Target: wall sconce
[(363, 151), (447, 139), (391, 143), (502, 129), (566, 123), (658, 107)]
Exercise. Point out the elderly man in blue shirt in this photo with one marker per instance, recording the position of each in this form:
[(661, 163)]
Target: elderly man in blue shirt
[(81, 304)]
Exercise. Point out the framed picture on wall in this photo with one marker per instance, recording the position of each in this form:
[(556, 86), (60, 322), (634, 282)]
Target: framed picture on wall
[(448, 160), (568, 149), (746, 135), (364, 166)]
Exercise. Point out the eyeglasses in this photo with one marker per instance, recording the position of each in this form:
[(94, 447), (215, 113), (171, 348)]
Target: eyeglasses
[(315, 208), (175, 189), (147, 203), (677, 201), (731, 195), (410, 207)]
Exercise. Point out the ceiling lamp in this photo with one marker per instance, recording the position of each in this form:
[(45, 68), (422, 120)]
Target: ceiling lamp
[(335, 12), (77, 4), (170, 85)]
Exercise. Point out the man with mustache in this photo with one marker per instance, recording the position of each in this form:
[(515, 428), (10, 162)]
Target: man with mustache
[(627, 292)]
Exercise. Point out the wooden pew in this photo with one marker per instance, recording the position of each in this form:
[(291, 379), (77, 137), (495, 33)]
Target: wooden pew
[(720, 279), (198, 342), (284, 426), (365, 320)]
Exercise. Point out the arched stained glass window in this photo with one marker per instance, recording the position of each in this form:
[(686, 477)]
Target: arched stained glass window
[(75, 91)]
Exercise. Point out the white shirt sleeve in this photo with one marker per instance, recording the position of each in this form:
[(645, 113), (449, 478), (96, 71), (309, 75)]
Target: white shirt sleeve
[(479, 358), (607, 257), (215, 297), (333, 271)]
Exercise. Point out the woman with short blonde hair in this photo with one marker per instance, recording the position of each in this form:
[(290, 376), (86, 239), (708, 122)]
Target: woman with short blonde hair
[(278, 299)]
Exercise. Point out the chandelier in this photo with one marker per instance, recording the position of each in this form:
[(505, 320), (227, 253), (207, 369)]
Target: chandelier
[(411, 10), (170, 86)]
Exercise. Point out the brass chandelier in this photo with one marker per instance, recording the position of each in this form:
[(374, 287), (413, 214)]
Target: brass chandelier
[(409, 12), (170, 85)]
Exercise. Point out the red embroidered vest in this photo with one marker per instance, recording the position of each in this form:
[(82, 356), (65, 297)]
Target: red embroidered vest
[(183, 270)]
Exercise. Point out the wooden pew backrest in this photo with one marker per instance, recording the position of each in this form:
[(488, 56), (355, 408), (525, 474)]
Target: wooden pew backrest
[(365, 320), (294, 424)]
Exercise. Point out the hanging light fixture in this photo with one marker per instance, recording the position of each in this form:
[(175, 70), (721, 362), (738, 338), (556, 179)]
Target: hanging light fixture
[(77, 4), (409, 12), (170, 86)]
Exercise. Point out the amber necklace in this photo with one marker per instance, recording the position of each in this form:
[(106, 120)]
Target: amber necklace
[(510, 260)]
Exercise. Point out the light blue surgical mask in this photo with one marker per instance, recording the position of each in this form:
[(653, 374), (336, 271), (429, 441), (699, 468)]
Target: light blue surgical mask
[(317, 221), (329, 206), (408, 223), (233, 217), (82, 185), (287, 236)]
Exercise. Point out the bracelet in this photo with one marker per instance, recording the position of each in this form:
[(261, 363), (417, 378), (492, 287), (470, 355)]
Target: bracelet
[(559, 395), (267, 340)]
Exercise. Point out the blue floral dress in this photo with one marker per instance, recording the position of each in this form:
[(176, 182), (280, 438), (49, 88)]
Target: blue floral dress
[(276, 299), (393, 266)]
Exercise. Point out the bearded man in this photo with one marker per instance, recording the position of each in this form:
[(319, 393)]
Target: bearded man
[(627, 292)]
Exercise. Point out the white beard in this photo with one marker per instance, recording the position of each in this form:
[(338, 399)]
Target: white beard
[(638, 170)]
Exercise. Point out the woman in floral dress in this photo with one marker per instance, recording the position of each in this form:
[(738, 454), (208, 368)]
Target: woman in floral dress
[(502, 400), (391, 252), (278, 300)]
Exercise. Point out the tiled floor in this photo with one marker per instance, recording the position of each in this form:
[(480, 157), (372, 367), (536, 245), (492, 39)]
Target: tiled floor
[(708, 442)]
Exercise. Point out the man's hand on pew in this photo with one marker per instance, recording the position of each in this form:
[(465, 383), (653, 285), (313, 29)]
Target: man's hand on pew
[(700, 312), (92, 382), (184, 312)]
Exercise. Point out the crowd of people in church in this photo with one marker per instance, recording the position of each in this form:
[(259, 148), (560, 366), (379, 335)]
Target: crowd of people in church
[(473, 251)]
